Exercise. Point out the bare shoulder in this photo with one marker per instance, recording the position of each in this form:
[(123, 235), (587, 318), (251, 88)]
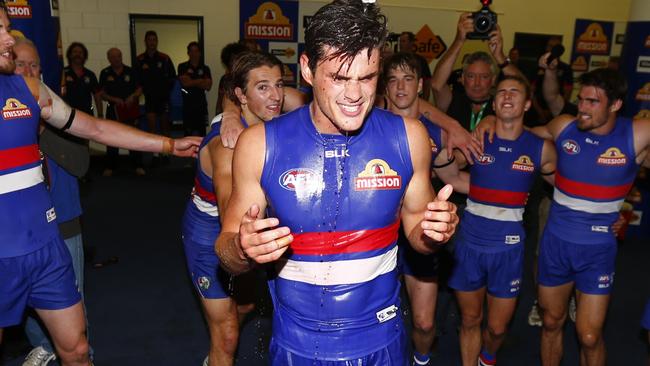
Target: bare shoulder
[(559, 123), (251, 145), (34, 86)]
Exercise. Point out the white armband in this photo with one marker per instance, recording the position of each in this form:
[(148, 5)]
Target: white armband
[(60, 113)]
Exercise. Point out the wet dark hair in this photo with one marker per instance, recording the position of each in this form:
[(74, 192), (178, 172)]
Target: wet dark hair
[(150, 33), (403, 60), (74, 45), (193, 44), (230, 51), (3, 6), (348, 26), (242, 65), (611, 81), (520, 80)]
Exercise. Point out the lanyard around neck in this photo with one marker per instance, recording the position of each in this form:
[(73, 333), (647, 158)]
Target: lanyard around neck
[(476, 117)]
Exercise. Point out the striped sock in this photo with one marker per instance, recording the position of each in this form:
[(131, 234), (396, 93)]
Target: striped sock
[(421, 359), (486, 359)]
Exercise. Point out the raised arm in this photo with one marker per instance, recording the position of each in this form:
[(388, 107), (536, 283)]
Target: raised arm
[(551, 85), (444, 67), (495, 44), (246, 237), (57, 113), (427, 220)]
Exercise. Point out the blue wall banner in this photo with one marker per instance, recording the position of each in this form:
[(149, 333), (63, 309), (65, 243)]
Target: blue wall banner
[(635, 65), (274, 26), (591, 39), (38, 20)]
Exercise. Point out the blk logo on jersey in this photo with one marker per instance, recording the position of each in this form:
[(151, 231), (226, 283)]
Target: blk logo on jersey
[(486, 159), (377, 176), (570, 147), (299, 179), (13, 109), (612, 157), (524, 164)]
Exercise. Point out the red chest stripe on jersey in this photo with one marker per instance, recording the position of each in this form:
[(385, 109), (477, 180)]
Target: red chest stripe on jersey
[(497, 196), (18, 156), (341, 242), (205, 195), (592, 191)]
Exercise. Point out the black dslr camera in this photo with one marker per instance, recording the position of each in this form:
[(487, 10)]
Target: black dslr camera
[(485, 21)]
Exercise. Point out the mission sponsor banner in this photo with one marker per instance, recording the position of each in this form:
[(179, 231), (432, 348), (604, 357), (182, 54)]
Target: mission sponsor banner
[(274, 26), (38, 20), (592, 44)]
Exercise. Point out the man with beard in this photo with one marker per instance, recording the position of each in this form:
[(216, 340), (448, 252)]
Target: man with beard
[(35, 266), (341, 175)]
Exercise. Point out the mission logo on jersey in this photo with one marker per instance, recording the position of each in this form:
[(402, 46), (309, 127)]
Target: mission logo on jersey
[(377, 176), (523, 164), (613, 156), (13, 109)]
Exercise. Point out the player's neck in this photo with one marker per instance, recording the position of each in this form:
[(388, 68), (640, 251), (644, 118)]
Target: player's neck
[(249, 116), (411, 111), (509, 129), (322, 123), (607, 127)]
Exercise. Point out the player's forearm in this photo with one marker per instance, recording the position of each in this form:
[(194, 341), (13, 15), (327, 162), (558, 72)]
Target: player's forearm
[(231, 256), (421, 242), (445, 66), (118, 134)]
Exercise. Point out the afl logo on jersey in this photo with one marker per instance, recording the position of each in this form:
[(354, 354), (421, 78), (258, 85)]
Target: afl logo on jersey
[(613, 156), (486, 159), (299, 179), (523, 164), (377, 176), (13, 109), (570, 147)]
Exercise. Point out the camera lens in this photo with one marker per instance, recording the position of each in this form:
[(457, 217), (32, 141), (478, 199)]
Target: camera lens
[(482, 24)]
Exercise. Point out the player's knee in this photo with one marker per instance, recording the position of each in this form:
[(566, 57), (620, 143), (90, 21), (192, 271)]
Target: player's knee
[(422, 325), (552, 323), (471, 320), (497, 330), (74, 353), (589, 338)]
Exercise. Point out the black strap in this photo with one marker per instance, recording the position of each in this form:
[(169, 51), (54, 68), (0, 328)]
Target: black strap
[(549, 173), (453, 158), (70, 119)]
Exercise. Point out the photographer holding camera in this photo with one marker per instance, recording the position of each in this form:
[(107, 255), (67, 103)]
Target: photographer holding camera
[(473, 101)]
